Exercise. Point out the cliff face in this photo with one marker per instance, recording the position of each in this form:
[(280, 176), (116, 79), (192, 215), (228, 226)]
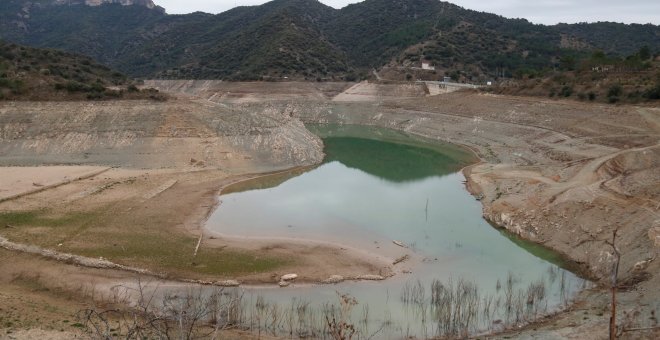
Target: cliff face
[(146, 3)]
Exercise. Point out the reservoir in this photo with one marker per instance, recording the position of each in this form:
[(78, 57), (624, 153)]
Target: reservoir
[(377, 186)]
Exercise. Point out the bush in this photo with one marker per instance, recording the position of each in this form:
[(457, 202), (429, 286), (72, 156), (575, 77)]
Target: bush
[(94, 96), (653, 93), (615, 91), (74, 86), (592, 96), (566, 91)]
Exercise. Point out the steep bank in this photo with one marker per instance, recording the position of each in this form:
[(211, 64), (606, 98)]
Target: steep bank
[(145, 134)]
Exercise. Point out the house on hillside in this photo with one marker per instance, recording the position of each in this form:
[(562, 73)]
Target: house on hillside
[(427, 66), (602, 68)]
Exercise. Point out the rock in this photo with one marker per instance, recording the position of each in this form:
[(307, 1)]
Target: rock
[(399, 243), (289, 277), (370, 277), (284, 284), (401, 259), (641, 265), (654, 236), (228, 283), (334, 279)]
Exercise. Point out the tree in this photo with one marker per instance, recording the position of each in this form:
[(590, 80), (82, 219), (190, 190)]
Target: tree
[(614, 283), (644, 53)]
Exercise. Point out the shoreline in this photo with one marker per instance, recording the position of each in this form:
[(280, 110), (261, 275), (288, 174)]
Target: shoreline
[(380, 260), (523, 149)]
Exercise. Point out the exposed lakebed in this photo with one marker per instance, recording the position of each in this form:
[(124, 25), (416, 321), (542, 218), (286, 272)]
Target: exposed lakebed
[(376, 186)]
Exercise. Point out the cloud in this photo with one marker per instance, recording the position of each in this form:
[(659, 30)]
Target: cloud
[(571, 11), (537, 11)]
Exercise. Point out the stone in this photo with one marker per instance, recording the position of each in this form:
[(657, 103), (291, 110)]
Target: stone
[(289, 277), (334, 279), (371, 277), (654, 236), (228, 283)]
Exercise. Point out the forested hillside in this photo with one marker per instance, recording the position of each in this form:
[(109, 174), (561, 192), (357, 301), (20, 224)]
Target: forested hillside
[(304, 39), (45, 74)]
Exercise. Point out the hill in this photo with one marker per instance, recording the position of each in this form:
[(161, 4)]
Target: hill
[(45, 74), (633, 79), (304, 39)]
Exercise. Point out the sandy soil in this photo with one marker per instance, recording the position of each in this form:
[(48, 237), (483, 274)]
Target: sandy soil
[(18, 181), (560, 173)]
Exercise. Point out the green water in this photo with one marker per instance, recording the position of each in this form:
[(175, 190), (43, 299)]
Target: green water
[(376, 186)]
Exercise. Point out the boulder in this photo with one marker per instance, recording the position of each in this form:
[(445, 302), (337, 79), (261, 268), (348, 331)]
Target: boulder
[(289, 277)]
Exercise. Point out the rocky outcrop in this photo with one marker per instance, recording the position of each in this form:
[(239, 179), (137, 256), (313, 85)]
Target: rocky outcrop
[(146, 3)]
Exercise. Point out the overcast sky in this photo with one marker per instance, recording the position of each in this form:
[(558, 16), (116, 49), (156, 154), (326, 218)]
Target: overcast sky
[(537, 11)]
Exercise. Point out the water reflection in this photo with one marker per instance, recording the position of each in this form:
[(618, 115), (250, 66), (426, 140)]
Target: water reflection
[(380, 185)]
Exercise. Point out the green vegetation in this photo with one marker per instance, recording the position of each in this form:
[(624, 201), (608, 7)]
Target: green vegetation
[(174, 255), (83, 233), (45, 74), (38, 218), (304, 39), (595, 77)]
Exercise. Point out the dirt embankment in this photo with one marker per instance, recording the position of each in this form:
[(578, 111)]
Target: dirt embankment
[(563, 174), (248, 92), (143, 134)]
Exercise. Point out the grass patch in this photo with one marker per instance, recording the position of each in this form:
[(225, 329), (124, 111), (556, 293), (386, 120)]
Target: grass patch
[(18, 218), (42, 228), (103, 233), (40, 218), (173, 254)]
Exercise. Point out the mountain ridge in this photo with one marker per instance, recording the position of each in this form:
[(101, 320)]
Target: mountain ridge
[(306, 39)]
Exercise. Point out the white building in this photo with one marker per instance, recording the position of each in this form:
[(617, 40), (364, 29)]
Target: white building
[(427, 66)]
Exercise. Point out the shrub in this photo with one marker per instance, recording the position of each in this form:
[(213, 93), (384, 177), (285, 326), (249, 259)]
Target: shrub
[(74, 86), (653, 93), (592, 96), (613, 93), (615, 90)]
